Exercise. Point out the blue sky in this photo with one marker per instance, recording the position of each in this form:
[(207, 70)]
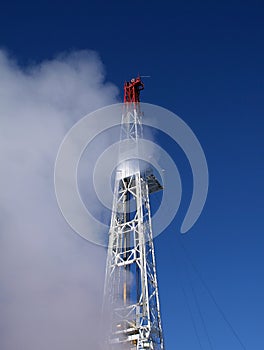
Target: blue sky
[(205, 60)]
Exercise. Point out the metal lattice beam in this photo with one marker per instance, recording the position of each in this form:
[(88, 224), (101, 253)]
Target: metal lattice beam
[(131, 287)]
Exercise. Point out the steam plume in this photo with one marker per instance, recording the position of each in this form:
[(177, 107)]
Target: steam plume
[(51, 279)]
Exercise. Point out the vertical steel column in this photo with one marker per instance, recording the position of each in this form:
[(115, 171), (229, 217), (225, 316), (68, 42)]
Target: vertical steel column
[(131, 288)]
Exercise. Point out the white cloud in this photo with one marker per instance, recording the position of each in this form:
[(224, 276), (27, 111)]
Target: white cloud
[(51, 279)]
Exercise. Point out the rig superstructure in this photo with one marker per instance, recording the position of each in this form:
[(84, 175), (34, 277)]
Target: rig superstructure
[(131, 287)]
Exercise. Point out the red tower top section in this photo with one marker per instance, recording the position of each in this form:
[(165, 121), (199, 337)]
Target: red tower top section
[(132, 90)]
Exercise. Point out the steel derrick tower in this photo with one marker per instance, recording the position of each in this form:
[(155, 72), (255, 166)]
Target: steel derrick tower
[(131, 288)]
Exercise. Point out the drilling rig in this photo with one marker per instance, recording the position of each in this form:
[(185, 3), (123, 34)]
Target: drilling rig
[(131, 287)]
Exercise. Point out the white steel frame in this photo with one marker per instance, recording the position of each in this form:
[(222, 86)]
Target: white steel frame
[(131, 287)]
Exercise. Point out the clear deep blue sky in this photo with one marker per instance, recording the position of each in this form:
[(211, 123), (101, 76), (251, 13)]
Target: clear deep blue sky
[(205, 59)]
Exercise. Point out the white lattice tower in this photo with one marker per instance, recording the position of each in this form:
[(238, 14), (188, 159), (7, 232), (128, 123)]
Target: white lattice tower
[(131, 288)]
